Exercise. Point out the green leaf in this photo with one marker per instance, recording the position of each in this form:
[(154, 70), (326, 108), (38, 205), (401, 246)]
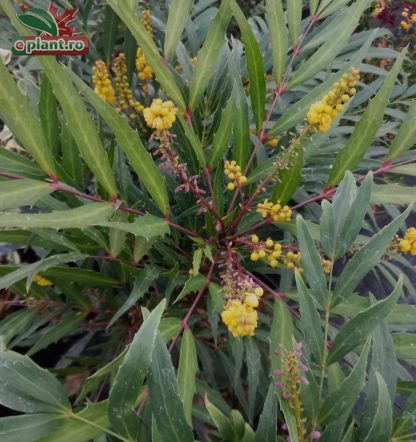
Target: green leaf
[(188, 366), (148, 226), (110, 25), (18, 193), (48, 114), (196, 261), (253, 374), (30, 270), (169, 328), (15, 164), (78, 218), (392, 194), (63, 329), (343, 399), (143, 280), (94, 418), (29, 427), (294, 17), (208, 55), (131, 144), (17, 114), (366, 258), (311, 262), (220, 143), (381, 428), (362, 325), (193, 284), (165, 401), (313, 6), (311, 321), (39, 20), (131, 374), (193, 140), (118, 237), (405, 138), (328, 51), (275, 17), (16, 323), (255, 65), (267, 427), (249, 435), (28, 388), (366, 129), (151, 52), (179, 13), (222, 423)]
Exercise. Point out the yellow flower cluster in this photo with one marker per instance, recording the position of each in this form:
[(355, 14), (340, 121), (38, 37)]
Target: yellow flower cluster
[(43, 282), (147, 21), (144, 71), (409, 19), (408, 243), (327, 265), (276, 211), (323, 113), (124, 93), (160, 115), (233, 172), (270, 250), (101, 80), (240, 315), (293, 260)]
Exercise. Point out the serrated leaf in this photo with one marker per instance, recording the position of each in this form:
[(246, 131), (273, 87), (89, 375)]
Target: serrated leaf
[(255, 65), (131, 374), (406, 136), (311, 321), (25, 192), (28, 388), (29, 427), (179, 13), (118, 237), (366, 129), (208, 55), (343, 399), (193, 284), (165, 401), (151, 52), (196, 261), (267, 427), (362, 325), (143, 280), (311, 262), (366, 258), (130, 142), (188, 366)]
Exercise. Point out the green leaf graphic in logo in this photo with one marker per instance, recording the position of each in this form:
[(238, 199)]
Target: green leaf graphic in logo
[(39, 20)]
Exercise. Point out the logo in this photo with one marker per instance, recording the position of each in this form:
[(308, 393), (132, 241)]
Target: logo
[(57, 36)]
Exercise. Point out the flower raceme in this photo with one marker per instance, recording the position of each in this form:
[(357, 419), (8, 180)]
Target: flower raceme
[(144, 71), (322, 113), (409, 19), (160, 115), (101, 80), (233, 172), (276, 211)]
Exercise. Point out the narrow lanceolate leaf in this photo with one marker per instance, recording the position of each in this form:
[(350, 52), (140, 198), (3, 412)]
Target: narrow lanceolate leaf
[(255, 65), (310, 319), (165, 401), (328, 51), (223, 135), (380, 430), (131, 375), (17, 114), (18, 193), (188, 366), (221, 421), (208, 55), (193, 140), (29, 427), (267, 427), (405, 138), (130, 142), (366, 129), (28, 388), (28, 271), (111, 22), (151, 52), (143, 280), (313, 6), (311, 262), (179, 12), (362, 325), (48, 114), (275, 17), (366, 258), (294, 17), (78, 218), (253, 374), (343, 399), (392, 194)]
